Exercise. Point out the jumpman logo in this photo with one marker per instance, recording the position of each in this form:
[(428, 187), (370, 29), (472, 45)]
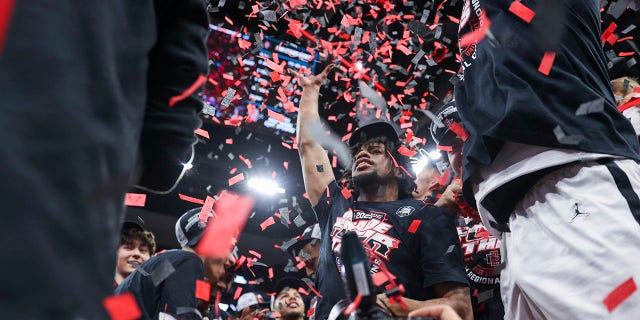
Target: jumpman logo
[(578, 213)]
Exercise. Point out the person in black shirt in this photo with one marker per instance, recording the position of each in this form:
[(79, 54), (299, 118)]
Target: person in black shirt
[(89, 90), (417, 242), (167, 282), (549, 163)]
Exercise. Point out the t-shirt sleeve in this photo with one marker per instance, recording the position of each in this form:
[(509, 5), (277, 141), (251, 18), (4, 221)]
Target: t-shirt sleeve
[(441, 254), (328, 199), (179, 289)]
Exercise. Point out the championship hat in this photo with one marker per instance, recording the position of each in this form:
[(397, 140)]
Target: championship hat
[(189, 227)]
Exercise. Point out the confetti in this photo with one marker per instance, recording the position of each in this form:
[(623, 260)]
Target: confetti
[(190, 199), (122, 307), (203, 290), (202, 133), (186, 93), (135, 199), (415, 224), (522, 11), (239, 177), (546, 63), (620, 294), (162, 272), (563, 138), (232, 212), (594, 106), (270, 221)]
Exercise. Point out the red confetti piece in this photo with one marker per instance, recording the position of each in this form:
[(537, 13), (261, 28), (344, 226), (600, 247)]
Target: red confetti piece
[(236, 179), (256, 254), (609, 31), (270, 273), (301, 265), (403, 150), (202, 133), (415, 224), (267, 223), (6, 11), (459, 131), (195, 86), (190, 199), (522, 11), (346, 193), (620, 294), (122, 307), (135, 199), (206, 209), (203, 290), (444, 148), (286, 165), (277, 116), (228, 141), (547, 62), (353, 306), (382, 277), (237, 293), (246, 161), (232, 212)]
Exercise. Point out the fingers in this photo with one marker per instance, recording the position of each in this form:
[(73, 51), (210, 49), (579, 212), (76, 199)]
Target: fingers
[(441, 311), (326, 70)]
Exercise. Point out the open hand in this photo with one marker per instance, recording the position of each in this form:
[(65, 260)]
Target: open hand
[(311, 80)]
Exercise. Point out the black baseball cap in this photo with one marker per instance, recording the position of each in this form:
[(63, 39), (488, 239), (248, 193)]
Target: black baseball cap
[(288, 282), (373, 130), (130, 224), (440, 128), (189, 227), (294, 245)]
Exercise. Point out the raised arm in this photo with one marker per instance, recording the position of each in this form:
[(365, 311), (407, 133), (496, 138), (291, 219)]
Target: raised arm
[(316, 168)]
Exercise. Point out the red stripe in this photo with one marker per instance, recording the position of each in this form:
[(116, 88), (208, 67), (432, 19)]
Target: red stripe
[(6, 11), (195, 86)]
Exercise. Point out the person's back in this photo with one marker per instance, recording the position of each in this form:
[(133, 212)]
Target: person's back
[(74, 86)]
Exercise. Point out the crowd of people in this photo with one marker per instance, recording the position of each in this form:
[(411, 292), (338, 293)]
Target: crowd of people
[(533, 214)]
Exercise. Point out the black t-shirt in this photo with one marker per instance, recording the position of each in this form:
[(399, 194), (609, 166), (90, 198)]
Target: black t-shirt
[(481, 252), (502, 97), (418, 243), (178, 290)]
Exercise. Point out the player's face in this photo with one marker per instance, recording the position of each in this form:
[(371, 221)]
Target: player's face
[(289, 303), (371, 163), (220, 272), (129, 254), (455, 156)]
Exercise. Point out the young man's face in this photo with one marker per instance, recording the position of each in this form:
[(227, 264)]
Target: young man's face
[(130, 253), (289, 304), (219, 272), (371, 164), (424, 181)]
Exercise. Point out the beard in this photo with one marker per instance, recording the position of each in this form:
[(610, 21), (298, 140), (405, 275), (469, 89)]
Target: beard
[(365, 180)]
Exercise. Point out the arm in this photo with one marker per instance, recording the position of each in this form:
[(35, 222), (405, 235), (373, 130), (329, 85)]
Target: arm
[(177, 69), (316, 168), (452, 294), (440, 312)]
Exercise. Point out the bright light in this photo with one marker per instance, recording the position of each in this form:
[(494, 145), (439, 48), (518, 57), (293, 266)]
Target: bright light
[(240, 279), (420, 165), (359, 66), (435, 154), (265, 186), (188, 166)]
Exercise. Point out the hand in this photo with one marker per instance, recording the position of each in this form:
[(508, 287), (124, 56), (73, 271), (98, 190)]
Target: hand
[(440, 312), (449, 198), (255, 314), (311, 80)]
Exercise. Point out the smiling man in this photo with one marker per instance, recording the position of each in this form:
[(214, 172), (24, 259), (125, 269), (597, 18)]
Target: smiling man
[(416, 242), (136, 246), (288, 303)]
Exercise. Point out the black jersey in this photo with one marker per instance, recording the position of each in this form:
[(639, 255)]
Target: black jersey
[(418, 243), (178, 290), (502, 97)]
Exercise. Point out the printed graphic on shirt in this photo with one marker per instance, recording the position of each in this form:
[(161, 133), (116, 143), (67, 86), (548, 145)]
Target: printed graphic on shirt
[(481, 254), (372, 230), (470, 21), (405, 211)]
